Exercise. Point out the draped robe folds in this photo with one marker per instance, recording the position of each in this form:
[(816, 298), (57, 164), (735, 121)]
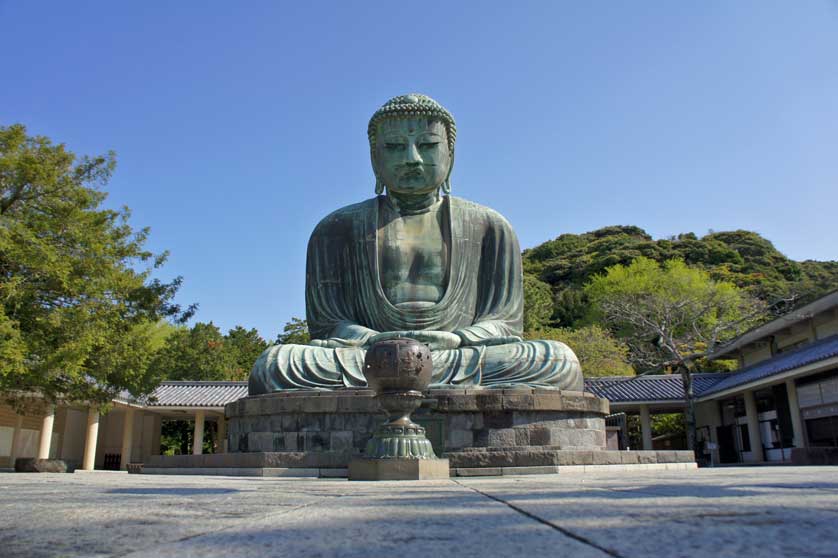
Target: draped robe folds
[(482, 303)]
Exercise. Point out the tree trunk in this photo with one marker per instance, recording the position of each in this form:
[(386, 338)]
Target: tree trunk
[(689, 412)]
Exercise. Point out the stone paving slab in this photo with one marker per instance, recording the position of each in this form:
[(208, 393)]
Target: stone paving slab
[(759, 511)]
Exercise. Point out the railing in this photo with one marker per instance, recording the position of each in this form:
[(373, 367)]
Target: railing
[(112, 461)]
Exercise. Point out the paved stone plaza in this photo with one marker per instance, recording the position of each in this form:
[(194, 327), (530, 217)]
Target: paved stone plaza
[(768, 511)]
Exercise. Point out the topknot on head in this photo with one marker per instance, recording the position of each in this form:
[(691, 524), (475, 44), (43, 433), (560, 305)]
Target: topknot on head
[(412, 105)]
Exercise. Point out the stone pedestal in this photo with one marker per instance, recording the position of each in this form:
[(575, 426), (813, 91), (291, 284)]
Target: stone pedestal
[(362, 469), (343, 421), (478, 432)]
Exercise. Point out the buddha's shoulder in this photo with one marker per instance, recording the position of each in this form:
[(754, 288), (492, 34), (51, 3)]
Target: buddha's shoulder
[(478, 211), (345, 216)]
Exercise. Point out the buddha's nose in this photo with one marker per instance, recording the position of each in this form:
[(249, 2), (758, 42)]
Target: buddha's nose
[(413, 156)]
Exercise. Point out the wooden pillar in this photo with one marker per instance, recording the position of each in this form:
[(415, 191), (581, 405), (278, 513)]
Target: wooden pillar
[(646, 427), (15, 440), (91, 439), (753, 427), (127, 438), (198, 436), (222, 434), (46, 433), (794, 411)]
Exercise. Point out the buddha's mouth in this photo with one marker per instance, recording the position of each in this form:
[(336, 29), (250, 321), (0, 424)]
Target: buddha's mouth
[(413, 173)]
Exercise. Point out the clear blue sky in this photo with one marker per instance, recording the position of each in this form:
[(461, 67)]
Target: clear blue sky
[(239, 125)]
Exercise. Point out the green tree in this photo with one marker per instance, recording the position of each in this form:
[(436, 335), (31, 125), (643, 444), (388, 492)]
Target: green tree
[(662, 424), (538, 303), (77, 299), (743, 258), (599, 353), (197, 353), (295, 332), (671, 316), (246, 346), (158, 332)]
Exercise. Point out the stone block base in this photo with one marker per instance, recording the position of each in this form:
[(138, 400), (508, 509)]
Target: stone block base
[(285, 472), (570, 469), (342, 421), (33, 465), (475, 462), (254, 460), (517, 457), (361, 469)]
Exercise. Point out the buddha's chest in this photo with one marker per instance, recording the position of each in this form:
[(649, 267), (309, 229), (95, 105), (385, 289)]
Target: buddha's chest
[(413, 253)]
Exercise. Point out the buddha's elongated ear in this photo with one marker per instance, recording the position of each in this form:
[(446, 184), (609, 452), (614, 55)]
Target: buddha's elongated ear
[(446, 186), (379, 186)]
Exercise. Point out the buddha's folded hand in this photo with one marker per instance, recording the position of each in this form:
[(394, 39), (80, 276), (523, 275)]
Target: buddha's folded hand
[(345, 334), (503, 340), (335, 343)]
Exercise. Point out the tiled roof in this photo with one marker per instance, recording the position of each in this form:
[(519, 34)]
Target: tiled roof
[(666, 387), (196, 394), (826, 302), (807, 354)]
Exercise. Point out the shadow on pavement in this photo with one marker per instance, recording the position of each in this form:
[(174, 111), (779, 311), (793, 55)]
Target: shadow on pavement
[(176, 491)]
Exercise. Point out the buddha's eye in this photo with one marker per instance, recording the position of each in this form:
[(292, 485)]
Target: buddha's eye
[(428, 145), (394, 146)]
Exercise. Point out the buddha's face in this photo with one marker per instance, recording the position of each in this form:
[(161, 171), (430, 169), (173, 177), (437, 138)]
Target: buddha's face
[(412, 155)]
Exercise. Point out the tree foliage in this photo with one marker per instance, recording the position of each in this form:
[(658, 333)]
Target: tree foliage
[(203, 353), (196, 353), (671, 315), (599, 352), (743, 258), (538, 303), (295, 332), (246, 346), (78, 302), (663, 424)]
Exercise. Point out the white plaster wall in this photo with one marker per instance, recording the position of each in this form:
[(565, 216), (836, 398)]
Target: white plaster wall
[(146, 436), (707, 414), (797, 333), (28, 442), (756, 354), (827, 328), (6, 434), (110, 436), (75, 426), (137, 438)]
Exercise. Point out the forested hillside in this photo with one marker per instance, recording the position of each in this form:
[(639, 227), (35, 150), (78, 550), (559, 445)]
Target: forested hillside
[(745, 258)]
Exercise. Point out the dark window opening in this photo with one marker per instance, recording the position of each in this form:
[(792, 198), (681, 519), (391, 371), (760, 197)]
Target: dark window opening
[(822, 432)]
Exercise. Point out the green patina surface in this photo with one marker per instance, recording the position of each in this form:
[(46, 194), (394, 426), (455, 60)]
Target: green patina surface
[(415, 262)]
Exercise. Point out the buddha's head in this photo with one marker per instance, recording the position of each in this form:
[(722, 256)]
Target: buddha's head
[(412, 145)]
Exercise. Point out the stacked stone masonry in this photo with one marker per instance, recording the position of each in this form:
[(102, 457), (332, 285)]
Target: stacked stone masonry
[(513, 431), (344, 420)]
